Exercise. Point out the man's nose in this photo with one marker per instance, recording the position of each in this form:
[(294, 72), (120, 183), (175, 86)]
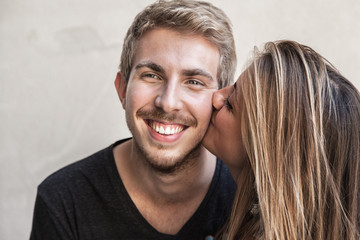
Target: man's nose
[(219, 97), (169, 98)]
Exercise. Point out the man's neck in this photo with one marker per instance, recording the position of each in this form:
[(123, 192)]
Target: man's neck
[(166, 201), (183, 183)]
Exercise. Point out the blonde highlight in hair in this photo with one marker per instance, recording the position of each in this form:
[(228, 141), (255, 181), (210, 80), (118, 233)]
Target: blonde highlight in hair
[(186, 17), (301, 131)]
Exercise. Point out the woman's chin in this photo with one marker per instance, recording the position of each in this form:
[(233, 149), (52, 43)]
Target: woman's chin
[(208, 143)]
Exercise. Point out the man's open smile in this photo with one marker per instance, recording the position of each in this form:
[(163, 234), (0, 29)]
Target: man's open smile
[(165, 128)]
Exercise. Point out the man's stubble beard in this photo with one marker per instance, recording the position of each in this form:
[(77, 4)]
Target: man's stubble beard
[(156, 161), (169, 166)]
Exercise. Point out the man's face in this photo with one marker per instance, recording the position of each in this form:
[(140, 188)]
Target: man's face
[(168, 96)]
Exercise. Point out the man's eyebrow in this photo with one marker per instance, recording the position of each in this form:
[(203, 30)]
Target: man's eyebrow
[(197, 72), (153, 66)]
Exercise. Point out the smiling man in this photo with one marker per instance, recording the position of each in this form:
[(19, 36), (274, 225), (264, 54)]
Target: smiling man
[(162, 183), (168, 98)]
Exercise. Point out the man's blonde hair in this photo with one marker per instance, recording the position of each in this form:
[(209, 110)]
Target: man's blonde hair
[(188, 17)]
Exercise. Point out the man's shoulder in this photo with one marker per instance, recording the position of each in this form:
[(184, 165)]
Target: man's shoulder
[(87, 170), (71, 173)]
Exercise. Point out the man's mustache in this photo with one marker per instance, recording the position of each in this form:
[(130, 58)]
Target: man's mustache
[(161, 116)]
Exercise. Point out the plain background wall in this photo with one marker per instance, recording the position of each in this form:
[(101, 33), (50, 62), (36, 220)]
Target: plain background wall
[(58, 60)]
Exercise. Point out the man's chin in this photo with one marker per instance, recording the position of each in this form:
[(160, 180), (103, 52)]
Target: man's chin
[(167, 169), (172, 163), (165, 162)]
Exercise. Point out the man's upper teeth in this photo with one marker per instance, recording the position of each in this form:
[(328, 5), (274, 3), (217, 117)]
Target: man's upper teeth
[(167, 130)]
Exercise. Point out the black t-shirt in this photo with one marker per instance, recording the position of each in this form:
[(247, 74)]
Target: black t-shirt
[(87, 201)]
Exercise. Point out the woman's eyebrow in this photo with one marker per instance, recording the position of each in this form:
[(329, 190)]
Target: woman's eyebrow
[(236, 92)]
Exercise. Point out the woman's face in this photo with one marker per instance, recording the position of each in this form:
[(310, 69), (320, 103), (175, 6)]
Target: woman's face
[(223, 137)]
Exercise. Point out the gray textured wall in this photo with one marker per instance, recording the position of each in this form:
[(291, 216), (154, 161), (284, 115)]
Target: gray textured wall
[(58, 60)]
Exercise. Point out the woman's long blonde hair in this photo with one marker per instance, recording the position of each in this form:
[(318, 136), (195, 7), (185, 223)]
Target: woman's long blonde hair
[(301, 131)]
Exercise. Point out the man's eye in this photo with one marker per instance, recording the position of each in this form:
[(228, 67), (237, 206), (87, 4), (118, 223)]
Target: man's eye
[(228, 104), (195, 82), (150, 75)]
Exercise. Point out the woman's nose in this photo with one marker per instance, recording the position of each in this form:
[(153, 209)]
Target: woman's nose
[(220, 96)]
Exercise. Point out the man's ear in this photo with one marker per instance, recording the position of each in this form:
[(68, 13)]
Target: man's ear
[(120, 85)]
